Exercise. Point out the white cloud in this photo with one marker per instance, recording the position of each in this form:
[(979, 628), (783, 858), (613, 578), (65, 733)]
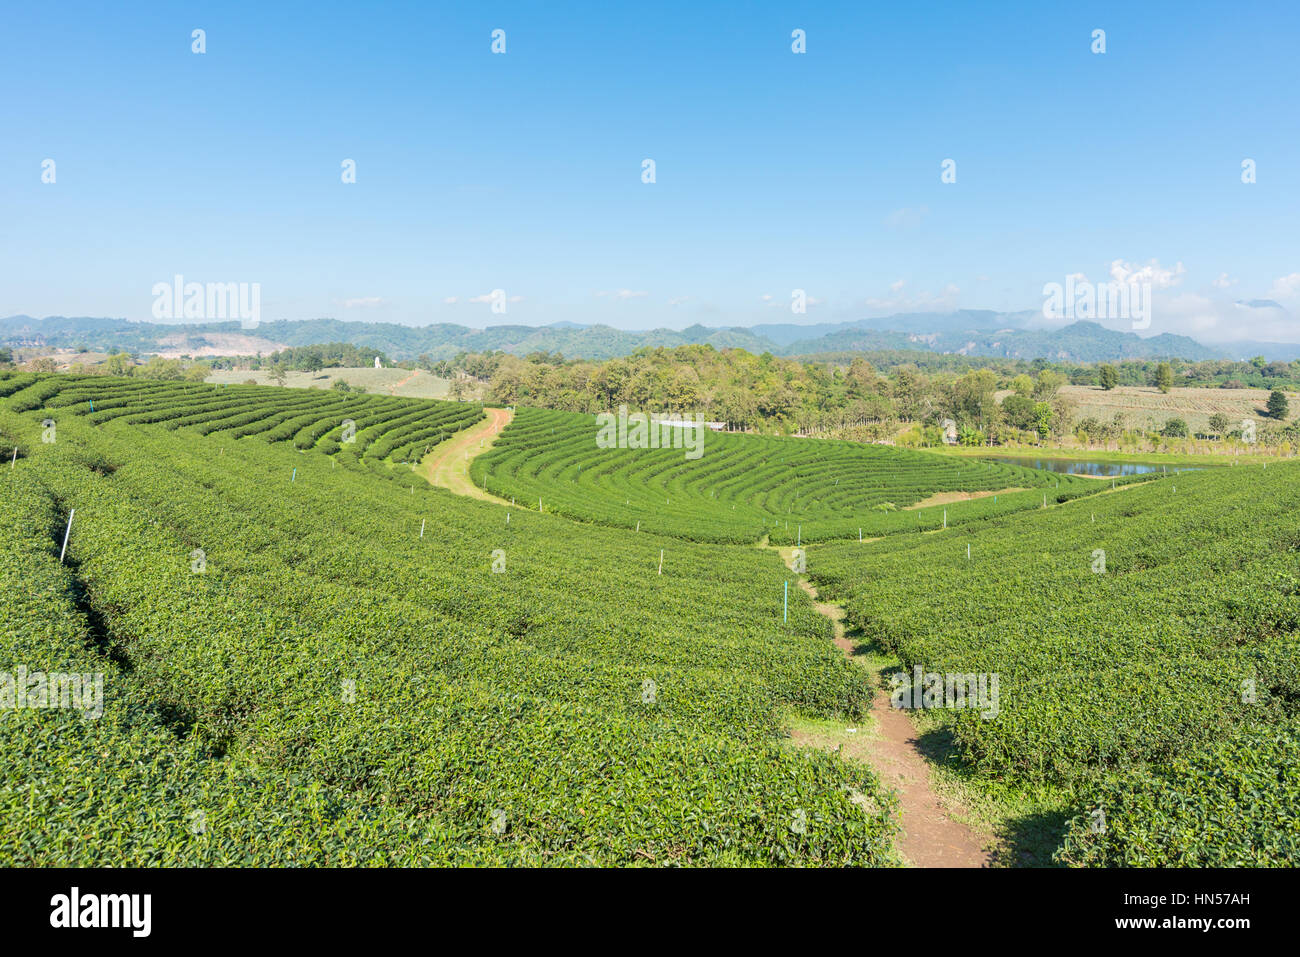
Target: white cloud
[(1153, 273), (451, 300), (1285, 287), (1215, 320), (897, 286), (364, 302), (622, 294), (677, 300), (1223, 282)]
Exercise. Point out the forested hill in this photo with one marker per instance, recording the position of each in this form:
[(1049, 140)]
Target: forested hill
[(970, 333)]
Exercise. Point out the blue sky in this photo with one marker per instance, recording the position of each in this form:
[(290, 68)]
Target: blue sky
[(775, 171)]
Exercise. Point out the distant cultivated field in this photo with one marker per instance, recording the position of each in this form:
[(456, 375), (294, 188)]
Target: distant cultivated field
[(1147, 407), (401, 382)]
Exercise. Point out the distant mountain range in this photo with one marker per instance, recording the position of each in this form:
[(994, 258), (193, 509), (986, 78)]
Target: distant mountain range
[(965, 332)]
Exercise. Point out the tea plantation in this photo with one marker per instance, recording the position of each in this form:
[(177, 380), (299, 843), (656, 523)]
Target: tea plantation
[(743, 487), (311, 656), (295, 674), (1146, 644)]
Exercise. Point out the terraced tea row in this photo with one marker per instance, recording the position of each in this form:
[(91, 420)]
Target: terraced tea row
[(741, 487), (355, 428), (306, 668), (1147, 651)]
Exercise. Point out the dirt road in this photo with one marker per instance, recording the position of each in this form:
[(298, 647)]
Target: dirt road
[(447, 465)]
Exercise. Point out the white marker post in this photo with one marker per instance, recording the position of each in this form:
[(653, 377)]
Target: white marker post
[(66, 533), (422, 527), (661, 561), (15, 458)]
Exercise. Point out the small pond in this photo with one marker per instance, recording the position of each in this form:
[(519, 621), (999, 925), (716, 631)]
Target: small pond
[(1087, 466)]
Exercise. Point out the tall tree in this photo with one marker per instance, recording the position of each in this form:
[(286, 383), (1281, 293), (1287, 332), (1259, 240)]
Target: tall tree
[(1164, 377)]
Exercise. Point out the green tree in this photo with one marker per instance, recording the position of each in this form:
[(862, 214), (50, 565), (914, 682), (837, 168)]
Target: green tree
[(1109, 376), (198, 371), (1023, 385), (1219, 424), (1277, 404), (1048, 384), (1043, 419), (278, 374), (119, 363), (1175, 428), (1020, 412), (1164, 377)]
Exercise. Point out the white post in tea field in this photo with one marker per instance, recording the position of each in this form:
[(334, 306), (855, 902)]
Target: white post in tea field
[(63, 551), (422, 526), (661, 561)]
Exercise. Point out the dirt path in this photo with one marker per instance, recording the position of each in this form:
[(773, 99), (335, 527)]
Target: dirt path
[(930, 837), (947, 498), (392, 389), (447, 465)]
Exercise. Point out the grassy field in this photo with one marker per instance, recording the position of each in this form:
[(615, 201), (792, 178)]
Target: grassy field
[(1147, 407), (400, 382)]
